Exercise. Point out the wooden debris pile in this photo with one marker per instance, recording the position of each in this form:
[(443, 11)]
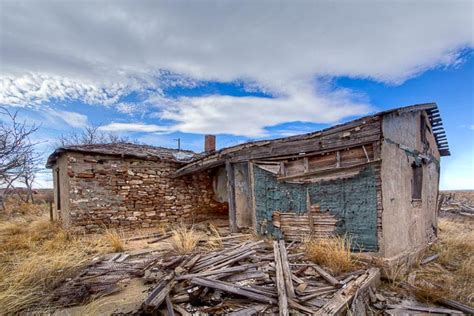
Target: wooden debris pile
[(251, 277), (449, 203), (104, 276), (396, 303), (244, 277)]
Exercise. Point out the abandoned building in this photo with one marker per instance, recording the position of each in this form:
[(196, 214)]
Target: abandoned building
[(374, 179), (128, 186)]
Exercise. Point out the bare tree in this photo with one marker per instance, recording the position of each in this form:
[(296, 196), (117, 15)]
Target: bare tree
[(16, 149), (91, 135), (28, 175)]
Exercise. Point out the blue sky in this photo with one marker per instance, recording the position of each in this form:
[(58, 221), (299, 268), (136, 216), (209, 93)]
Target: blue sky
[(157, 71)]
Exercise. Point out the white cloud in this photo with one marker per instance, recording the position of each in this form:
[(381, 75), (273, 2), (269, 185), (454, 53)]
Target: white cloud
[(98, 52), (247, 116), (133, 127), (34, 89), (72, 119)]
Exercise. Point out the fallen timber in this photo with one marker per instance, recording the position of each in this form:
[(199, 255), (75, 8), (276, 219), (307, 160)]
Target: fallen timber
[(246, 277), (250, 277)]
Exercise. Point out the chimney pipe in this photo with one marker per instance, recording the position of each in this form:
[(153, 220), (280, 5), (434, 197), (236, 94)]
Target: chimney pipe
[(209, 143)]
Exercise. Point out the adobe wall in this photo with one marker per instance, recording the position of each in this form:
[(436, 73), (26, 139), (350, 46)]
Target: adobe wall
[(408, 225), (106, 191)]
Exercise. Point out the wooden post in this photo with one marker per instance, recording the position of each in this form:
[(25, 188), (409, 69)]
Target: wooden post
[(231, 196), (282, 168), (252, 189), (51, 217)]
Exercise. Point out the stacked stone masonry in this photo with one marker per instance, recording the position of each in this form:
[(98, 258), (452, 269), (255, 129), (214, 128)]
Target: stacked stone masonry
[(107, 191)]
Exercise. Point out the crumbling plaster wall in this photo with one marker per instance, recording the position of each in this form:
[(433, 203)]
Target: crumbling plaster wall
[(132, 193), (408, 225), (352, 200)]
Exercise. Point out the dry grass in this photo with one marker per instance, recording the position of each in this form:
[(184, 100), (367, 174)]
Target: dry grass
[(333, 253), (394, 273), (452, 275), (214, 240), (36, 255), (184, 239), (114, 240)]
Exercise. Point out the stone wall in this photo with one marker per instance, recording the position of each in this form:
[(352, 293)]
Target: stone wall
[(107, 191)]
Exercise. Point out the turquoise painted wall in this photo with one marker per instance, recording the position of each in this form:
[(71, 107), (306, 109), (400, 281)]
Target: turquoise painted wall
[(353, 201)]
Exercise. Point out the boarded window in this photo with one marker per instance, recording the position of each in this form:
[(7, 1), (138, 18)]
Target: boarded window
[(417, 182)]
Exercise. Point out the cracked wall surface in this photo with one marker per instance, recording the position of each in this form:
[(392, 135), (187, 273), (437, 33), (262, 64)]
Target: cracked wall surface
[(352, 200)]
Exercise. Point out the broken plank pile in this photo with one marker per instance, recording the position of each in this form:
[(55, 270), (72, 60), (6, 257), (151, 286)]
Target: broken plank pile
[(104, 276), (299, 227), (249, 277), (460, 206)]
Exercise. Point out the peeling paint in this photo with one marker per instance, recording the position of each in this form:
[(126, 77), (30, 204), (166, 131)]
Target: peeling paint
[(352, 200)]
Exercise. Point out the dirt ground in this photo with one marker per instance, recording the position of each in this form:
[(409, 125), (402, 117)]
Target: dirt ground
[(451, 275)]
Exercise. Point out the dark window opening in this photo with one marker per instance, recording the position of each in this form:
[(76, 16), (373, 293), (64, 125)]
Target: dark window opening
[(423, 129), (58, 190), (417, 182)]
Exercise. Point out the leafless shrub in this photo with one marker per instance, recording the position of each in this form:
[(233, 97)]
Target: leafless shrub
[(91, 135), (17, 155)]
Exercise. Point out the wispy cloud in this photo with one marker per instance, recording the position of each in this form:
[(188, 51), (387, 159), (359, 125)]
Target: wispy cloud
[(133, 127), (248, 116), (72, 119)]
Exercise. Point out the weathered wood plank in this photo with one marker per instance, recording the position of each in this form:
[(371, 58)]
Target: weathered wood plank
[(332, 280), (343, 297), (169, 305), (326, 171), (231, 288), (249, 311), (457, 305), (282, 296), (290, 291), (212, 272)]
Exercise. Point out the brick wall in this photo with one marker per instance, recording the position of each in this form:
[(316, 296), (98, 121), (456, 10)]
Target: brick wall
[(107, 191)]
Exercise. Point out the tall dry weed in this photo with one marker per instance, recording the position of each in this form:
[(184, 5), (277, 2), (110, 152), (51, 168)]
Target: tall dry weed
[(184, 239), (333, 253), (113, 239), (452, 275)]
